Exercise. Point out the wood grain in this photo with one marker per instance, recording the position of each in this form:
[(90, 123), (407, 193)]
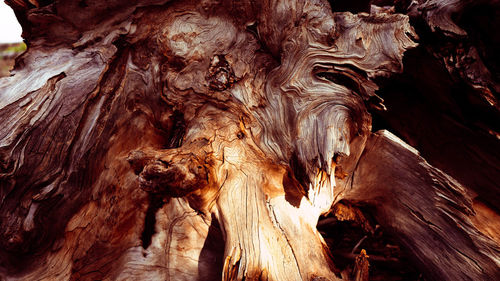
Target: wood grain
[(203, 140)]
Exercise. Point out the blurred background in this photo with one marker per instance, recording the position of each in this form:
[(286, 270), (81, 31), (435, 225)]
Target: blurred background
[(11, 43)]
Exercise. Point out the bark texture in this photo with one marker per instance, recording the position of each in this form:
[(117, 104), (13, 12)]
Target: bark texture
[(209, 140)]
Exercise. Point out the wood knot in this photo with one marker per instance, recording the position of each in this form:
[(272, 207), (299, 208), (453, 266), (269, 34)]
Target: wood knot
[(171, 176), (220, 75), (240, 135)]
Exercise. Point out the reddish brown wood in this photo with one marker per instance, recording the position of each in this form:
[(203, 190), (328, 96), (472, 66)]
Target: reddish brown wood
[(186, 140)]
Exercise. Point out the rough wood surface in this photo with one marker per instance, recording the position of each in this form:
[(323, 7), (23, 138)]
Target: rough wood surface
[(186, 140), (426, 207)]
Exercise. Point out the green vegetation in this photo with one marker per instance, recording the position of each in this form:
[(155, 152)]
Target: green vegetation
[(8, 52), (17, 48)]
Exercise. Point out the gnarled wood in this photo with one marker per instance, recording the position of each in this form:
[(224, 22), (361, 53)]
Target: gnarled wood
[(191, 140), (426, 208)]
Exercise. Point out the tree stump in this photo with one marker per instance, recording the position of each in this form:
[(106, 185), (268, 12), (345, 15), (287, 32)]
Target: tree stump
[(204, 140)]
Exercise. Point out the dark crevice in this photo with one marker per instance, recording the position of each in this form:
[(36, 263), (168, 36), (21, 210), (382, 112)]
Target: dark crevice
[(341, 79), (293, 190), (299, 171), (155, 203), (83, 4), (350, 6), (444, 118), (178, 130), (480, 22), (212, 253), (353, 229), (252, 28)]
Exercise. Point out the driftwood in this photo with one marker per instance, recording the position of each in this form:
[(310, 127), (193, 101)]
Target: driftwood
[(187, 140)]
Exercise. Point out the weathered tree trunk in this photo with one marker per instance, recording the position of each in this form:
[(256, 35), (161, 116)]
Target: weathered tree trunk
[(186, 140)]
